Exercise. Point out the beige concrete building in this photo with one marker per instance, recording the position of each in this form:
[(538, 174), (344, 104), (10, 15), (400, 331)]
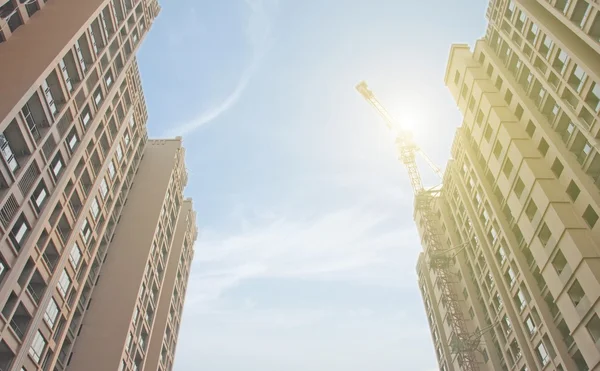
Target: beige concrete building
[(72, 139), (134, 316), (520, 202)]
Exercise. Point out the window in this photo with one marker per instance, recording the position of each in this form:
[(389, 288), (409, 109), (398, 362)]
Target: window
[(98, 96), (573, 191), (57, 165), (508, 167), (531, 210), (86, 230), (531, 328), (480, 117), (119, 153), (544, 234), (86, 115), (519, 111), (519, 187), (499, 83), (530, 129), (131, 122), (111, 169), (39, 195), (542, 354), (19, 231), (497, 149), (543, 147), (510, 276), (2, 269), (103, 188), (37, 347), (577, 78), (508, 96), (560, 62), (471, 104), (590, 216), (465, 91), (64, 283), (576, 293), (456, 78), (557, 168), (72, 139), (520, 300), (559, 262), (593, 327), (501, 255), (488, 132), (95, 208), (75, 256), (126, 138), (108, 79), (51, 313)]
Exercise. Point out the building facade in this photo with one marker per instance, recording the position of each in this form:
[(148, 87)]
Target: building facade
[(72, 138), (138, 299), (518, 211)]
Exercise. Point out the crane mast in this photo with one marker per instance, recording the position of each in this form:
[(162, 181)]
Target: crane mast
[(464, 344)]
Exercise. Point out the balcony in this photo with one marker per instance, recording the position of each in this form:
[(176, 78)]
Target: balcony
[(36, 287), (13, 146), (10, 14), (63, 228), (53, 93), (6, 356), (20, 321), (581, 13), (51, 256)]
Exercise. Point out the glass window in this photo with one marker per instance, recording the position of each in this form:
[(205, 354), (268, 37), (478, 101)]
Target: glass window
[(530, 325), (119, 153), (86, 230), (98, 96), (126, 138), (75, 255), (57, 165), (86, 115), (593, 327), (37, 347), (72, 139), (20, 230), (39, 195), (64, 283), (542, 354), (51, 313), (95, 208), (103, 188), (111, 169), (108, 79)]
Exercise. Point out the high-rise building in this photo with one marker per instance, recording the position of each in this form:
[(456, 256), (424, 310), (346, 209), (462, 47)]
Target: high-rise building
[(72, 139), (136, 306), (518, 210)]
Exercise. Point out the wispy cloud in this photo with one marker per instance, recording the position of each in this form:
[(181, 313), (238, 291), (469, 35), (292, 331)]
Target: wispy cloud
[(258, 37), (354, 244)]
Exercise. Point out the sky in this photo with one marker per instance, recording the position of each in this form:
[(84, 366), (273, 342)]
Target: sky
[(307, 249)]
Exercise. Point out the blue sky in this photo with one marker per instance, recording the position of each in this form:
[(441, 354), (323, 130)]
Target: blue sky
[(307, 252)]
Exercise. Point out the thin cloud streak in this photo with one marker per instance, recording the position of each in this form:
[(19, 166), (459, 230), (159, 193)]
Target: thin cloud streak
[(351, 245), (258, 36)]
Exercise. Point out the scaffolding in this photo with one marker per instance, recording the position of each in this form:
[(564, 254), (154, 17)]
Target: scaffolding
[(464, 344)]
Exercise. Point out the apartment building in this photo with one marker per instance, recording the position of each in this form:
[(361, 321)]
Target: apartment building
[(518, 211), (72, 137), (137, 303)]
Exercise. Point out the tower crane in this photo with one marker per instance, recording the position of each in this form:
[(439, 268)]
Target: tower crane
[(464, 344)]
